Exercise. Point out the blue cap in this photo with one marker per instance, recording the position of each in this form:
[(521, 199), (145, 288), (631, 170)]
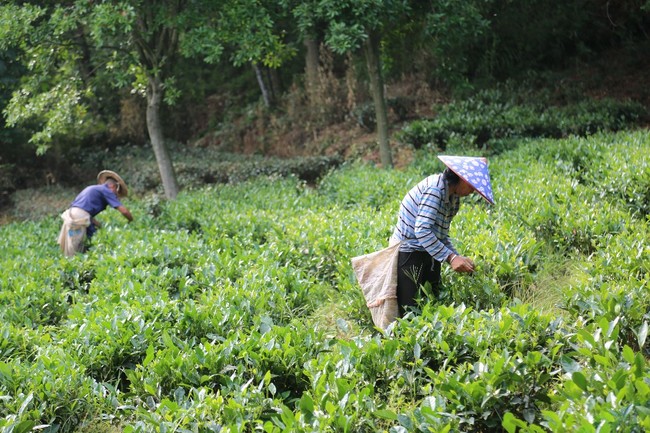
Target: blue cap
[(473, 170)]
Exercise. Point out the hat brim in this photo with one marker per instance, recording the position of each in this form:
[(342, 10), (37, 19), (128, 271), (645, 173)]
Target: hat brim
[(457, 172), (470, 183), (104, 175)]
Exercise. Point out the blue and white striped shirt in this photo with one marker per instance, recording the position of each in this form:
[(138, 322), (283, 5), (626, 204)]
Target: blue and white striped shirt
[(424, 218)]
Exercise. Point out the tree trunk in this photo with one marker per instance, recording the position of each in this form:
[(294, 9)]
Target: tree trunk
[(167, 175), (275, 84), (260, 82), (311, 70), (371, 48)]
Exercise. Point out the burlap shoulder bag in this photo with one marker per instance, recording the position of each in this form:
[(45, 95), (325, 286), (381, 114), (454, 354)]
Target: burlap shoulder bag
[(377, 275)]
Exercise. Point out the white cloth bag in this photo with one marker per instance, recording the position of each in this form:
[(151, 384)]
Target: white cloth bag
[(73, 230), (377, 275)]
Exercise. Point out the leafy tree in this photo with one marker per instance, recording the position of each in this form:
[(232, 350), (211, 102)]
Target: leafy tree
[(352, 25), (310, 28), (10, 73), (453, 28), (72, 48), (251, 29), (52, 87)]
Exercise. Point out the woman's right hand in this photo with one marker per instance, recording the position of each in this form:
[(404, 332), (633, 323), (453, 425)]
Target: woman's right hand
[(462, 264)]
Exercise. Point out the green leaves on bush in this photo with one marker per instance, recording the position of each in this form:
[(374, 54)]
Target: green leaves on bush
[(234, 307), (490, 121)]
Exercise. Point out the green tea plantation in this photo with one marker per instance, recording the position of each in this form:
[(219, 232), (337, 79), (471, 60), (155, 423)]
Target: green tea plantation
[(234, 308)]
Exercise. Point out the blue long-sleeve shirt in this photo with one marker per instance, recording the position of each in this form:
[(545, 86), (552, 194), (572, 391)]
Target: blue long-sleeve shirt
[(94, 199), (424, 218)]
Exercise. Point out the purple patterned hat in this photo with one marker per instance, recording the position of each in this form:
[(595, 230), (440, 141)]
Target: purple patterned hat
[(473, 170)]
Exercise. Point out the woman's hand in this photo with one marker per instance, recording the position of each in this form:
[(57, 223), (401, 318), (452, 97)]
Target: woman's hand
[(462, 264)]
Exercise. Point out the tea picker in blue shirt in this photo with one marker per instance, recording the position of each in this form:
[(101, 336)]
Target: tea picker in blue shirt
[(79, 221), (423, 222)]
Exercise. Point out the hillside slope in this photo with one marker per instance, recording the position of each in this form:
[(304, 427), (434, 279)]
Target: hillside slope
[(284, 135)]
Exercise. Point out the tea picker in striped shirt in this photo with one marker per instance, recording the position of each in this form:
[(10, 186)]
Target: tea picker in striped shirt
[(423, 222)]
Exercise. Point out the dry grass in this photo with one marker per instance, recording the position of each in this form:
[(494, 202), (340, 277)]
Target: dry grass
[(37, 203), (548, 288)]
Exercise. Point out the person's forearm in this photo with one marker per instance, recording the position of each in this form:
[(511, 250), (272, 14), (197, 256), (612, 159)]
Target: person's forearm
[(126, 213)]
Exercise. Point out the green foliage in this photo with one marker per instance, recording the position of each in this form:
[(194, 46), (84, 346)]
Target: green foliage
[(235, 307), (349, 23), (488, 363), (355, 184), (457, 28), (492, 40), (52, 94), (617, 398), (69, 58), (76, 54), (252, 28), (487, 119), (201, 167)]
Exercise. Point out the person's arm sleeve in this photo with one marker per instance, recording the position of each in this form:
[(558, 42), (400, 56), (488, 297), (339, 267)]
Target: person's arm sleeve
[(111, 199), (425, 222), (115, 203), (449, 245)]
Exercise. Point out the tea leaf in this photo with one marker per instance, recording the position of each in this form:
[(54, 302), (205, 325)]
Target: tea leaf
[(386, 414), (510, 423), (150, 355), (24, 426), (570, 365), (642, 334), (628, 354), (306, 403), (580, 380)]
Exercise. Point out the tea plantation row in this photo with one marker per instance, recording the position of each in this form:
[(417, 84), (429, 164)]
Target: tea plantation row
[(234, 308)]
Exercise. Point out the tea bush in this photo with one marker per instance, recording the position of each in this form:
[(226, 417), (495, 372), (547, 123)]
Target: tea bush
[(235, 308), (198, 167), (490, 117)]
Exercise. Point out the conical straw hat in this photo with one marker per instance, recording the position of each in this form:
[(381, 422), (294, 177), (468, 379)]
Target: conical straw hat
[(473, 170)]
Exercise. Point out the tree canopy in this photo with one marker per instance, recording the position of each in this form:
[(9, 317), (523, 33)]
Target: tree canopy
[(74, 63), (73, 48)]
